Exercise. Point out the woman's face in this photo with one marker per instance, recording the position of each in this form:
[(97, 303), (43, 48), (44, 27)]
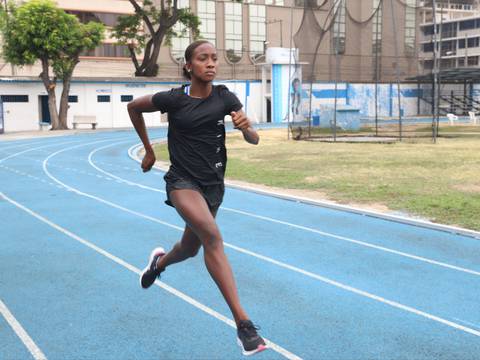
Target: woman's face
[(204, 63)]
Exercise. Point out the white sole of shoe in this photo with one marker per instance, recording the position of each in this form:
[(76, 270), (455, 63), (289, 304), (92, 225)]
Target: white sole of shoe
[(251, 352), (155, 252)]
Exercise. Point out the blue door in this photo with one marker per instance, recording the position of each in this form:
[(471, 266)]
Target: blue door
[(44, 109)]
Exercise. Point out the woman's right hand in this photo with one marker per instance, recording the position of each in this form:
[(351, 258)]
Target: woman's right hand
[(148, 161)]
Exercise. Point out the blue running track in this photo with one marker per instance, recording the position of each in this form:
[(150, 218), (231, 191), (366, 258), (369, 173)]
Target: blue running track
[(78, 220)]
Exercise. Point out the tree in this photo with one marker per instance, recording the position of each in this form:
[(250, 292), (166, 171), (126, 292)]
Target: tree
[(38, 30), (148, 28)]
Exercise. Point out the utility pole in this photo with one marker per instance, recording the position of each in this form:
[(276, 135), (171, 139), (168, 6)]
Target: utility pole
[(435, 73), (397, 70)]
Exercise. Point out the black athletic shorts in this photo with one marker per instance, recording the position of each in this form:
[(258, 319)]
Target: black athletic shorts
[(213, 194)]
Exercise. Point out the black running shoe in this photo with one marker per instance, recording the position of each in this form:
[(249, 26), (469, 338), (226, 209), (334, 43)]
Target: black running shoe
[(248, 339), (151, 273)]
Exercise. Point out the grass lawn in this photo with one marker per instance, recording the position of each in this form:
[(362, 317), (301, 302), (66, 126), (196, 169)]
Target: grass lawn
[(440, 181)]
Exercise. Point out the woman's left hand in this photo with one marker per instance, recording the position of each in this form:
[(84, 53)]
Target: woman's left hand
[(148, 161), (240, 120)]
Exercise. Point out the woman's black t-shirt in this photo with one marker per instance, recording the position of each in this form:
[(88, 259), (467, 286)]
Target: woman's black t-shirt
[(196, 132)]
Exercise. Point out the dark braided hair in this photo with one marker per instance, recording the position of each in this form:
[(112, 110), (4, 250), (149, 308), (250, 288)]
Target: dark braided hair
[(189, 54)]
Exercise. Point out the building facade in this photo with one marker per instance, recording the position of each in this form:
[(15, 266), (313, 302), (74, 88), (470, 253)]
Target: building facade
[(458, 35), (359, 44)]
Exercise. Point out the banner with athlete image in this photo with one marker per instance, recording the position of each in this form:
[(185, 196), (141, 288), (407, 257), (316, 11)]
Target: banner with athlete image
[(286, 92), (295, 107)]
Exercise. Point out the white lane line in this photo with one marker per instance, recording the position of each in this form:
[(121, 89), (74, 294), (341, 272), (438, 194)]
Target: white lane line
[(21, 333), (468, 323), (34, 149), (19, 145), (119, 179), (49, 145), (300, 227), (271, 260), (358, 242), (282, 351)]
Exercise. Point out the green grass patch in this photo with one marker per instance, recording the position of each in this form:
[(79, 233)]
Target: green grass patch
[(437, 181)]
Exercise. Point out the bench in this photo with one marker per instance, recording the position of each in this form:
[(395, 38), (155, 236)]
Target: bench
[(84, 119), (44, 126)]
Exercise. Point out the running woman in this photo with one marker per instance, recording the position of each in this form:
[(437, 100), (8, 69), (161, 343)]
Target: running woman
[(195, 180)]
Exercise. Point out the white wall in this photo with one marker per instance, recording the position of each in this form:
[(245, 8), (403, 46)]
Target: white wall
[(21, 116), (113, 114), (254, 103)]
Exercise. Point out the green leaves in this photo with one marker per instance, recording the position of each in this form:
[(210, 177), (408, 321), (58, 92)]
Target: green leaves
[(40, 30), (146, 30), (129, 31)]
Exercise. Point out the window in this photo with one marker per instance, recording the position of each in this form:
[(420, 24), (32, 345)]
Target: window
[(467, 24), (461, 44), (472, 61), (15, 98), (377, 22), (108, 50), (106, 18), (257, 30), (310, 3), (275, 2), (428, 65), (233, 31), (472, 42), (428, 30), (338, 40), (206, 13), (461, 62), (428, 47), (182, 38), (449, 30), (73, 99), (449, 47), (126, 98), (377, 28), (447, 63), (103, 98), (410, 19)]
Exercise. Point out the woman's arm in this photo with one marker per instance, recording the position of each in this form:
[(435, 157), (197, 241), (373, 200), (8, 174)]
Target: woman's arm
[(136, 108), (241, 122)]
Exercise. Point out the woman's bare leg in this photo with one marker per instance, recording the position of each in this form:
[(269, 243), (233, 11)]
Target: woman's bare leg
[(193, 208), (186, 248)]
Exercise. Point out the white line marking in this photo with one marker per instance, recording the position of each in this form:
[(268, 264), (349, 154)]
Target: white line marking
[(273, 261), (358, 242), (36, 148), (21, 333), (19, 145), (468, 323), (300, 227), (338, 207), (287, 354)]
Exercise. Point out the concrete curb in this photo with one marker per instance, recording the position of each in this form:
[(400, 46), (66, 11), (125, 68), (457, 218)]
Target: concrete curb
[(135, 149)]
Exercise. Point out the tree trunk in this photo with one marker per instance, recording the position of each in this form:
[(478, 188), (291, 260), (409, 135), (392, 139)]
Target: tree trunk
[(52, 107), (150, 66), (64, 102), (50, 87)]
